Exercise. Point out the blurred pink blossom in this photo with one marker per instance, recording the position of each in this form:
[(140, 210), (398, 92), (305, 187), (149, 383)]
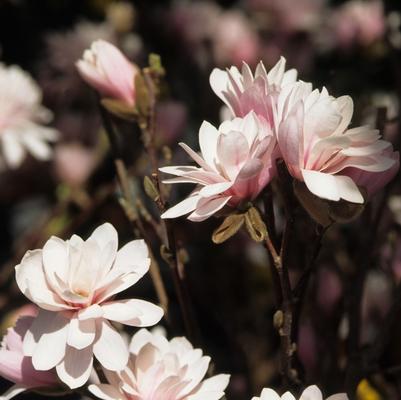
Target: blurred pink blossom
[(310, 393), (288, 15), (319, 149), (162, 369), (171, 120), (237, 162), (359, 22), (73, 282), (104, 67), (74, 163), (307, 346), (16, 367), (22, 117), (234, 40)]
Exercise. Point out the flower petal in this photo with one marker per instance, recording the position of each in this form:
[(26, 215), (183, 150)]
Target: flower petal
[(81, 333), (106, 392), (133, 312), (110, 348), (76, 367), (54, 337)]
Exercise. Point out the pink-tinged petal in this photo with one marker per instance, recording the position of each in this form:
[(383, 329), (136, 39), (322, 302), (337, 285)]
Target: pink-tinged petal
[(232, 152), (118, 70), (133, 312), (182, 208), (54, 337), (92, 76), (110, 349), (32, 282), (196, 372), (311, 393), (11, 365), (332, 187), (290, 138), (373, 181), (219, 83), (207, 207), (81, 333), (76, 367), (93, 311), (14, 390), (196, 157), (250, 169), (346, 106), (106, 392), (208, 136), (275, 75)]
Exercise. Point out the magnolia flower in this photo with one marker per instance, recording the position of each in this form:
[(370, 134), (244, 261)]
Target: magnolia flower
[(159, 369), (16, 367), (237, 162), (319, 149), (243, 92), (310, 393), (73, 282), (106, 69), (21, 116)]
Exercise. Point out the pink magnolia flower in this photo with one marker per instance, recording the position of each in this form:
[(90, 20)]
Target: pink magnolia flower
[(73, 282), (106, 69), (243, 92), (160, 369), (16, 367), (21, 118), (237, 162), (319, 149), (310, 393)]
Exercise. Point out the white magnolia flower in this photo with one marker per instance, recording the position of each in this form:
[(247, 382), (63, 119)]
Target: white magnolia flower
[(73, 282), (21, 118), (310, 393), (162, 370)]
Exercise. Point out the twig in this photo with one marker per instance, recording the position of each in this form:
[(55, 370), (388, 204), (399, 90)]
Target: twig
[(129, 208)]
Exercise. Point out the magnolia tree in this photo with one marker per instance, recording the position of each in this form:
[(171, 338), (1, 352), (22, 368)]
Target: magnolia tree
[(283, 146)]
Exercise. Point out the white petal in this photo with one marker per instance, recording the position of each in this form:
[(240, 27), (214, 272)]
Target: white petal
[(110, 349), (207, 207), (106, 392), (76, 367), (31, 280), (93, 311), (81, 333), (208, 136), (50, 349), (133, 312), (215, 188), (13, 151), (182, 208), (338, 396), (311, 393), (332, 187), (37, 146)]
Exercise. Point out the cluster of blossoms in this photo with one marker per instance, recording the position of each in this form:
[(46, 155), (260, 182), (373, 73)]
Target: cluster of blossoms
[(74, 282), (277, 116)]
